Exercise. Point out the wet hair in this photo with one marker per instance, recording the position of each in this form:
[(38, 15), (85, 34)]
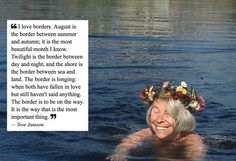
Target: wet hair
[(184, 120)]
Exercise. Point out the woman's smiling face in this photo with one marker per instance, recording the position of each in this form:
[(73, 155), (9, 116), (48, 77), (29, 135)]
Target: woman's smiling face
[(161, 121)]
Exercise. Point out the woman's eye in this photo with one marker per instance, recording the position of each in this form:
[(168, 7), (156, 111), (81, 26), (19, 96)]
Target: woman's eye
[(155, 110), (167, 114)]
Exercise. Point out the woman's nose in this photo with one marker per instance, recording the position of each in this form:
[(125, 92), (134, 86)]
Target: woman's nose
[(160, 118)]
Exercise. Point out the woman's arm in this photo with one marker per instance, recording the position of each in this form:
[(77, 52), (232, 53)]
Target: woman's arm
[(132, 141)]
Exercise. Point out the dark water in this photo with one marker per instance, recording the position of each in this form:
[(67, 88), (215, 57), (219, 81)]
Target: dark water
[(133, 43)]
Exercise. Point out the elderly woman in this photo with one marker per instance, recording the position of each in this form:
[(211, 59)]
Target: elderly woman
[(171, 125)]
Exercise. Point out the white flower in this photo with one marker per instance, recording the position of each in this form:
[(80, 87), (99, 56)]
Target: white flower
[(194, 104), (179, 89), (183, 84)]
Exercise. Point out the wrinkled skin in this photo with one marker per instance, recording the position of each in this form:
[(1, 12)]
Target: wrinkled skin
[(162, 122)]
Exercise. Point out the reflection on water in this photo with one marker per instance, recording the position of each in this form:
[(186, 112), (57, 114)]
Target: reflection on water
[(133, 43), (159, 18)]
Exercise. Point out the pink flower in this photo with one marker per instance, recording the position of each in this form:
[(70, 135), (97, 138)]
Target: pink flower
[(201, 102), (166, 84), (142, 95)]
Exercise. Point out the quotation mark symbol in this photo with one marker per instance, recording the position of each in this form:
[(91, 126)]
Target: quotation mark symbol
[(53, 116), (13, 26)]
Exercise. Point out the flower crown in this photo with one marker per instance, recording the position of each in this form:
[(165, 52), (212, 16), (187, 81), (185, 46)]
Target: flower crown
[(188, 98)]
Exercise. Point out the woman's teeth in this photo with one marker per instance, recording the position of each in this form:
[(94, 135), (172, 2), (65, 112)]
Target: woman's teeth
[(161, 128)]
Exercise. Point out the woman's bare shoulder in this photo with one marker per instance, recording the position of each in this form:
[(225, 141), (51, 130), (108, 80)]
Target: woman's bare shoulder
[(193, 138), (145, 132), (141, 134)]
